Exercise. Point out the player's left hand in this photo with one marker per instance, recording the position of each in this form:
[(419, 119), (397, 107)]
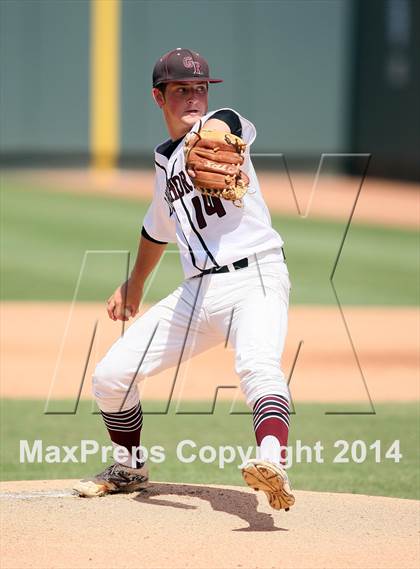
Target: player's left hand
[(213, 161)]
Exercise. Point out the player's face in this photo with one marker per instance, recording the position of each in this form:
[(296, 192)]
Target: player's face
[(184, 103)]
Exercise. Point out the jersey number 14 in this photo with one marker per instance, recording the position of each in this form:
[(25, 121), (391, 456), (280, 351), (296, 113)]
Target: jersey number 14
[(211, 206)]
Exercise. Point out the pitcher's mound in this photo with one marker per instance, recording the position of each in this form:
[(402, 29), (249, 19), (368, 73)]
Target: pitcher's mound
[(188, 525)]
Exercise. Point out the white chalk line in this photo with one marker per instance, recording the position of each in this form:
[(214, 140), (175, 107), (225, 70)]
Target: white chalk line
[(34, 495)]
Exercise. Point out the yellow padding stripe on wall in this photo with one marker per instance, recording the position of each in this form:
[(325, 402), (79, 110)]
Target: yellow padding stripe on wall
[(104, 82)]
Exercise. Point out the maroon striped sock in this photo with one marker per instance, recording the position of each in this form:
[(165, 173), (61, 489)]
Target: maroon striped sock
[(271, 417), (124, 428)]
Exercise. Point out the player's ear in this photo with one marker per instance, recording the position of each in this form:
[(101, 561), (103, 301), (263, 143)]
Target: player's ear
[(158, 96)]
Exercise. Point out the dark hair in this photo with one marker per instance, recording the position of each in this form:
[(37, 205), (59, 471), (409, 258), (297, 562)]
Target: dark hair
[(161, 87)]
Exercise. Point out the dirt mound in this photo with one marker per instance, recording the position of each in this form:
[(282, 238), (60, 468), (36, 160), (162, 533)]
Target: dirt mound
[(186, 525)]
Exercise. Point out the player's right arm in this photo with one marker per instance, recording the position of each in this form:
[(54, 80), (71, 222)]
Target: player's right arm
[(125, 300), (158, 230)]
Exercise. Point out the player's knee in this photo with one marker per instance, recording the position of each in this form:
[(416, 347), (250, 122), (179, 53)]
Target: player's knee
[(110, 381), (260, 378)]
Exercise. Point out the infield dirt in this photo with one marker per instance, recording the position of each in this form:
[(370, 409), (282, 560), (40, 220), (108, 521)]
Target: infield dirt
[(191, 526)]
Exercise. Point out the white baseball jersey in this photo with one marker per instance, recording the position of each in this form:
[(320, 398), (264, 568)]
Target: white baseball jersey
[(210, 232)]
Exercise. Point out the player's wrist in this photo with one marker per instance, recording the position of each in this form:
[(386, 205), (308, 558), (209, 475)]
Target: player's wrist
[(137, 278)]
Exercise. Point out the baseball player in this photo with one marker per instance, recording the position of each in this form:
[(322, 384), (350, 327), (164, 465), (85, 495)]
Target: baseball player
[(207, 199)]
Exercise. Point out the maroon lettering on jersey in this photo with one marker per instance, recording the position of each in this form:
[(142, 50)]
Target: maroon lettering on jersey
[(172, 191), (187, 187), (177, 187), (177, 183)]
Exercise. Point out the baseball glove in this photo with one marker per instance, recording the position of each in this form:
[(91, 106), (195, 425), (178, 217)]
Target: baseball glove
[(213, 159)]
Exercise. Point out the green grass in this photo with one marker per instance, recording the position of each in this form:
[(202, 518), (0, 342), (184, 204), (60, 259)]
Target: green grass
[(46, 234), (25, 420)]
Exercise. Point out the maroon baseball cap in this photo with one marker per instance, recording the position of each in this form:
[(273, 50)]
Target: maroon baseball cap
[(182, 65)]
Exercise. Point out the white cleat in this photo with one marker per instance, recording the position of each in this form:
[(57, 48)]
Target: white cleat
[(271, 479)]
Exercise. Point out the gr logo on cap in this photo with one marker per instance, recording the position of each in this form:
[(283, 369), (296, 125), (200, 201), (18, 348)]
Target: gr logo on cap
[(182, 65)]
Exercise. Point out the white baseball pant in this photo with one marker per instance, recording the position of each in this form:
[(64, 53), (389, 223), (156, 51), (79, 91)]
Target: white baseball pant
[(252, 302)]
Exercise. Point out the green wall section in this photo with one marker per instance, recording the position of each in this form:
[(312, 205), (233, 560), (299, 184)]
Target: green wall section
[(44, 63), (387, 94), (314, 76), (285, 65)]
